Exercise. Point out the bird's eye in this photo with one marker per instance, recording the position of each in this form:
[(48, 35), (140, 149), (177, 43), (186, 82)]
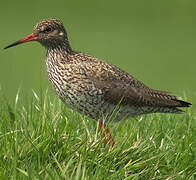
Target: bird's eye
[(47, 30)]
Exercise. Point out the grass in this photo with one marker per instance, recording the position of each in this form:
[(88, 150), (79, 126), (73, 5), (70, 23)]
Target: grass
[(40, 138)]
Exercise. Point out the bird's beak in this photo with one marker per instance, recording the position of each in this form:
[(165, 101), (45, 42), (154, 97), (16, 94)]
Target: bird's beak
[(30, 37)]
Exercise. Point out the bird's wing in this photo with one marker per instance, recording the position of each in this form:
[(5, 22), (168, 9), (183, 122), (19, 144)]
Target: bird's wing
[(134, 93), (116, 91), (120, 87), (117, 85)]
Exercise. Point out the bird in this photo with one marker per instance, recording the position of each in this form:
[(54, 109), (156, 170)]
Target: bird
[(92, 86)]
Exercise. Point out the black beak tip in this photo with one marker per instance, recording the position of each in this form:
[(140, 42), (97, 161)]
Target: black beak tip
[(6, 47), (13, 44)]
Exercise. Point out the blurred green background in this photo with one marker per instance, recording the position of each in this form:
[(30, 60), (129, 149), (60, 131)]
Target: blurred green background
[(152, 40)]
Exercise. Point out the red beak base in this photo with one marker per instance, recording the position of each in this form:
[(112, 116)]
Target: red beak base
[(28, 38)]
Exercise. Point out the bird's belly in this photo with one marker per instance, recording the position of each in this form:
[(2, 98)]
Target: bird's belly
[(95, 106), (86, 103)]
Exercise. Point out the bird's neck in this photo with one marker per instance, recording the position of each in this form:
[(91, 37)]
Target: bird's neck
[(58, 48), (58, 55)]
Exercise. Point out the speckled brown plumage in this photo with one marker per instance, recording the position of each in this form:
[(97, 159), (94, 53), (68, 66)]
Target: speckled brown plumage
[(92, 86)]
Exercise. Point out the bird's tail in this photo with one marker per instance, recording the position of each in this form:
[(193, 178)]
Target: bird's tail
[(180, 104), (168, 103)]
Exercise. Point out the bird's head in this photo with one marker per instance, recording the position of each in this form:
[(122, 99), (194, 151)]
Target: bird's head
[(49, 32)]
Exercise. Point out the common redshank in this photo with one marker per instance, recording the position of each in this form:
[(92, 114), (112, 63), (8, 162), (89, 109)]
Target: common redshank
[(93, 87)]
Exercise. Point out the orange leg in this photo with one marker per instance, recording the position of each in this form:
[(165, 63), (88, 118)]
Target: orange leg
[(105, 131)]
